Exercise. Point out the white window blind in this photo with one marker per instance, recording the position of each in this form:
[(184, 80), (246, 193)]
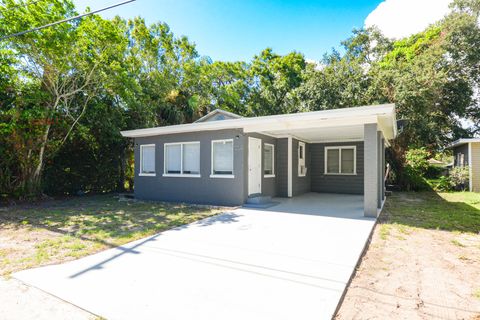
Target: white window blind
[(148, 159), (302, 170), (191, 158), (340, 160), (173, 158), (222, 157), (333, 165), (268, 162), (347, 161)]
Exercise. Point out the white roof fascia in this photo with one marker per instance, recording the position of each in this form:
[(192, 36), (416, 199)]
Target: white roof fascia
[(462, 141), (326, 118)]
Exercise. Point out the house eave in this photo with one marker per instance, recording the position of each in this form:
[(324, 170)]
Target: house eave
[(326, 118), (462, 141)]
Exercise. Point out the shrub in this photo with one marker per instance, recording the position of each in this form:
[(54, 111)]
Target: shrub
[(413, 180), (441, 184), (459, 177), (415, 169), (417, 159), (434, 172)]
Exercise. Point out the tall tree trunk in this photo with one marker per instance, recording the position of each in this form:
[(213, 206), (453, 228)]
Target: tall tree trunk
[(121, 178), (35, 178)]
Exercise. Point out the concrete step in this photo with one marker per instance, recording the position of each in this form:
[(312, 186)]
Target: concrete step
[(258, 199), (260, 206)]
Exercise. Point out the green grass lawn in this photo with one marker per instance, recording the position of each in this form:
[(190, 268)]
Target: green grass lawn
[(450, 211), (63, 230)]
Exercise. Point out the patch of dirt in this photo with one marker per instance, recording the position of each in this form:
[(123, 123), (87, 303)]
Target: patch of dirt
[(19, 249), (19, 301), (416, 274)]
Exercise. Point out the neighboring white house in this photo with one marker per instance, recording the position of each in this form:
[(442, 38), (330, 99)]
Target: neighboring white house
[(466, 152)]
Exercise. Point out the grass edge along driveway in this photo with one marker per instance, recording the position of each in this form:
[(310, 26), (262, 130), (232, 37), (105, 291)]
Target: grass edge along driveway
[(61, 230)]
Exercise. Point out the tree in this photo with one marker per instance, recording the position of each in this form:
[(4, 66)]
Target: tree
[(62, 67), (342, 81), (275, 80)]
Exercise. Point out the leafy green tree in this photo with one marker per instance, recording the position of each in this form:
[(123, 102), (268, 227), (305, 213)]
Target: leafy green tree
[(275, 80), (342, 81), (62, 66)]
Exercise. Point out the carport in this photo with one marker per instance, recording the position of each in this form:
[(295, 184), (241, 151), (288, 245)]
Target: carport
[(336, 151), (290, 261)]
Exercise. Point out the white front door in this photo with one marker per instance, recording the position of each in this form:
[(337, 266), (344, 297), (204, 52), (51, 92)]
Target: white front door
[(254, 165)]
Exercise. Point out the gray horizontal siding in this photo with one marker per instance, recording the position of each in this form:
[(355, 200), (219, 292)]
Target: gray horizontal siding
[(300, 184), (350, 184), (281, 158)]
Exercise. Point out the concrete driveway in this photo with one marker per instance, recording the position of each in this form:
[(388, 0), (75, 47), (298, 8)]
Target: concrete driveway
[(291, 261)]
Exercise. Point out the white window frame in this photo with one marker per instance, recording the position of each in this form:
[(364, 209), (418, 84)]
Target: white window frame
[(272, 175), (339, 148), (224, 176), (181, 174), (147, 174), (301, 161)]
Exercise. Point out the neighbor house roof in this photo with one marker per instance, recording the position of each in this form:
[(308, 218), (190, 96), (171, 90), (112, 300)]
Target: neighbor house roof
[(462, 141), (218, 112), (305, 123)]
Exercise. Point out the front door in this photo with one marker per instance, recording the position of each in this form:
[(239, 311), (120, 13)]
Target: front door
[(254, 165)]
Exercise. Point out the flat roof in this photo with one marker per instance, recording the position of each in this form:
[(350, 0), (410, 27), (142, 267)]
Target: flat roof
[(383, 115), (462, 141)]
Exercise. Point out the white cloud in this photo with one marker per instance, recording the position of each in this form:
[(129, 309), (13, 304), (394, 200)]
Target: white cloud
[(318, 64), (401, 18)]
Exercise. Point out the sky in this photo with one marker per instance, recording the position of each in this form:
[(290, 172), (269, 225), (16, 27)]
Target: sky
[(233, 30)]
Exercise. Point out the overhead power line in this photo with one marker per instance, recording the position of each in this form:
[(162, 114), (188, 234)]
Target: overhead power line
[(65, 20)]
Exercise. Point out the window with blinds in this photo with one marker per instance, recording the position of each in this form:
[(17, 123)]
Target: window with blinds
[(268, 160), (302, 170), (340, 160), (182, 158), (222, 157), (147, 159)]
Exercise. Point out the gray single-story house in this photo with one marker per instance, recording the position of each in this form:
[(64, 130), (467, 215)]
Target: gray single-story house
[(224, 159), (466, 153)]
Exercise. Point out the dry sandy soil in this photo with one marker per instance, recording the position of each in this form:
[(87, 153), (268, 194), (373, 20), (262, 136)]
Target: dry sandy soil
[(19, 301), (61, 230), (423, 261), (412, 272)]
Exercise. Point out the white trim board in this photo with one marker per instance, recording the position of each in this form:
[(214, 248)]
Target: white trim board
[(272, 175), (470, 170), (316, 119), (289, 167)]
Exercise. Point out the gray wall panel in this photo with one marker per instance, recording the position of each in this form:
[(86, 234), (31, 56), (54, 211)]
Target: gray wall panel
[(300, 184), (335, 183), (282, 167), (204, 190)]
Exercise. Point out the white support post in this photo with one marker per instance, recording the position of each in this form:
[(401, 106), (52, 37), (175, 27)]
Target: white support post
[(383, 169), (379, 169), (289, 169), (370, 181), (470, 170)]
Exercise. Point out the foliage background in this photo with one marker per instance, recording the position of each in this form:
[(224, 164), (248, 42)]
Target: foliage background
[(67, 91)]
